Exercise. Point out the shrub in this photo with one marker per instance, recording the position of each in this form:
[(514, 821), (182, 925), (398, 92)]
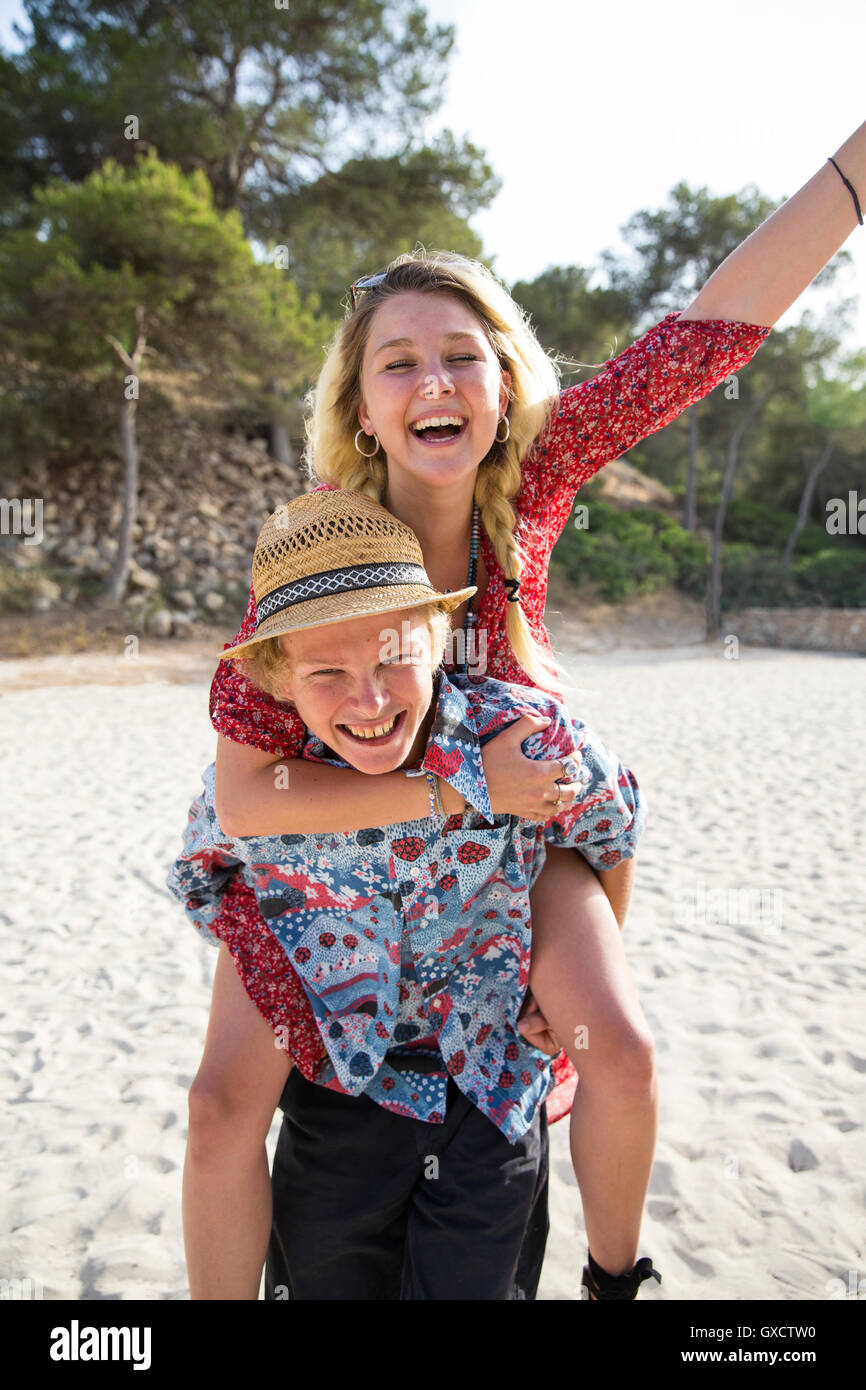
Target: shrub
[(634, 552), (627, 553), (835, 577), (755, 577), (768, 528)]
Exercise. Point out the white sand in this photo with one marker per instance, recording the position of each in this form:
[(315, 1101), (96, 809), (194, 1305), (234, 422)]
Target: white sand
[(754, 773)]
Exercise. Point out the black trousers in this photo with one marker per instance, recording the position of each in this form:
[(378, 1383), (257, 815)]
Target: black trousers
[(372, 1205)]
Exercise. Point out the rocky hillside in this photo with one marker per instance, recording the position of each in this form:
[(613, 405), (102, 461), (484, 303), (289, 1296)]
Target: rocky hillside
[(198, 520), (624, 486)]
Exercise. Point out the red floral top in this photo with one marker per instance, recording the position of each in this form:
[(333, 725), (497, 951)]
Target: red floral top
[(674, 364)]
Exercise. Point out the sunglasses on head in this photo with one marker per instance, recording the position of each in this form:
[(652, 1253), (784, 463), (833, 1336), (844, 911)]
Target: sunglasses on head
[(366, 282)]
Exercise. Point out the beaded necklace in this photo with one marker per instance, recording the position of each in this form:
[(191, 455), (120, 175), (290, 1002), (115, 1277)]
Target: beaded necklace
[(432, 786), (471, 615)]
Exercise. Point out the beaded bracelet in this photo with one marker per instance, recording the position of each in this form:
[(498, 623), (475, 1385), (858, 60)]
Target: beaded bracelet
[(436, 807)]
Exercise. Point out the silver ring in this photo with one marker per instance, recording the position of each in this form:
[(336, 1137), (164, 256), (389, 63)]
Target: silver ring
[(579, 772)]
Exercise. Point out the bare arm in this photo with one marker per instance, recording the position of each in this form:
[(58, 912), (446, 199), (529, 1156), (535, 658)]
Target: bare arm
[(781, 258), (257, 794)]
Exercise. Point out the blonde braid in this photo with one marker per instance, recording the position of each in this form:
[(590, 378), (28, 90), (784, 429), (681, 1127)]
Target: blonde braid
[(497, 483)]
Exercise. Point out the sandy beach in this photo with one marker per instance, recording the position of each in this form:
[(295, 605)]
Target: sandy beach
[(745, 936)]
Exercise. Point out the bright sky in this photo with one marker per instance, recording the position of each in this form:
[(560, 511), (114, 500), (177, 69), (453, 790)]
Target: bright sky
[(591, 112)]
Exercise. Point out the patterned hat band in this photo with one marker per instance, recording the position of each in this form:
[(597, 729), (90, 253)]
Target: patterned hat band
[(341, 581), (331, 555)]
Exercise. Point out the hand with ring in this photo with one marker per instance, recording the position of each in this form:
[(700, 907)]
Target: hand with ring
[(572, 776), (520, 785)]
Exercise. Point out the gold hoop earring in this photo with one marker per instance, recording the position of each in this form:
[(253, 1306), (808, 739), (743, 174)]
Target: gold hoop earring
[(507, 434), (361, 451)]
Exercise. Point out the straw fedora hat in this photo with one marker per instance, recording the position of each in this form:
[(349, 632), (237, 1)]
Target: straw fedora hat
[(332, 555)]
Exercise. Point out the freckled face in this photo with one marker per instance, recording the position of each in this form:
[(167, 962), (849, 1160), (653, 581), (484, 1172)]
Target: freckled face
[(350, 679), (427, 357)]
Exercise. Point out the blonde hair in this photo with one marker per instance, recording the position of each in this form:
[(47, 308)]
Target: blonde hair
[(271, 663), (330, 455)]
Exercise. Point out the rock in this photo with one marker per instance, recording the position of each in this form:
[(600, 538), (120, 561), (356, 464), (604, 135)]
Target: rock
[(807, 628), (627, 486), (141, 578), (25, 557), (46, 588), (203, 496), (160, 623), (86, 557), (800, 1157)]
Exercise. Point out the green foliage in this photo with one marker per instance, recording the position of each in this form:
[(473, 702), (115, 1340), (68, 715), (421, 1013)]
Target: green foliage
[(268, 102), (835, 576), (758, 524), (99, 245), (16, 594), (143, 237), (583, 325), (839, 402), (141, 251), (756, 577), (52, 415), (629, 553)]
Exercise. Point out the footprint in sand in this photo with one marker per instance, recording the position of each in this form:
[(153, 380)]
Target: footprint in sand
[(801, 1158), (662, 1181), (695, 1265)]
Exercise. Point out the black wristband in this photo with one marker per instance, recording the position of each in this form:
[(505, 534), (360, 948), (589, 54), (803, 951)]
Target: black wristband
[(850, 188)]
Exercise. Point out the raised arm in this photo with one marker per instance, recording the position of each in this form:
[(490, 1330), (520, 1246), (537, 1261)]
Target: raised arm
[(685, 356), (776, 263)]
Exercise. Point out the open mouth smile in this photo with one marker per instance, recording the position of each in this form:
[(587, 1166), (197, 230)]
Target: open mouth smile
[(439, 429), (375, 733)]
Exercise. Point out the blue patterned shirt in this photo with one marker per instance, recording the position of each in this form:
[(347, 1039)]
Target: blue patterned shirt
[(412, 941)]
